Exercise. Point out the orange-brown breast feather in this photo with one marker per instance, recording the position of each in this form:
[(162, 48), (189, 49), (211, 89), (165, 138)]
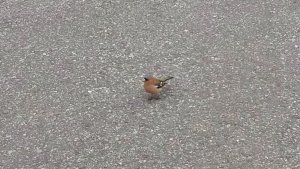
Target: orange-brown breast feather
[(151, 85)]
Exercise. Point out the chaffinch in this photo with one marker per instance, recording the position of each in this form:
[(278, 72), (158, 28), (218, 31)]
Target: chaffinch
[(153, 85)]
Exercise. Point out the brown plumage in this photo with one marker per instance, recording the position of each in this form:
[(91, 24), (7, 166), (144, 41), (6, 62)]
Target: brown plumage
[(153, 85)]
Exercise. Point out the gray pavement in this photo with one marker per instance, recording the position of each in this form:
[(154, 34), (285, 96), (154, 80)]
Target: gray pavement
[(71, 84)]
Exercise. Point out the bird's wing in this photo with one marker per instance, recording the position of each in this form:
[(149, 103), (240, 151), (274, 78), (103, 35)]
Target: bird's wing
[(160, 84)]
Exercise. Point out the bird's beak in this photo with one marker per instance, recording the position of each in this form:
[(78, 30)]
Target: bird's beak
[(146, 79)]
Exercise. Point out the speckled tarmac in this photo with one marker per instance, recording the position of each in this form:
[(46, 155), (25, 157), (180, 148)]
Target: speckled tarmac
[(71, 77)]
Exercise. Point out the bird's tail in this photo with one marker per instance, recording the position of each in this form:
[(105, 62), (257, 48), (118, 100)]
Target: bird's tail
[(166, 79)]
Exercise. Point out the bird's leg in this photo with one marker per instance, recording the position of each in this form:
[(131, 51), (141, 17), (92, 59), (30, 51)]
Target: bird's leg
[(150, 97), (156, 97), (153, 96)]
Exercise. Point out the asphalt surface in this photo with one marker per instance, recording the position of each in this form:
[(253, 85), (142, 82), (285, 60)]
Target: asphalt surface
[(71, 77)]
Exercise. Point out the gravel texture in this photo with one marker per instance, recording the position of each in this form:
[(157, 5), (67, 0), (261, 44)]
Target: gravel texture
[(71, 84)]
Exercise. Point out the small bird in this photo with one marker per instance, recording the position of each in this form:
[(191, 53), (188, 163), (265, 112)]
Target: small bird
[(154, 86)]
